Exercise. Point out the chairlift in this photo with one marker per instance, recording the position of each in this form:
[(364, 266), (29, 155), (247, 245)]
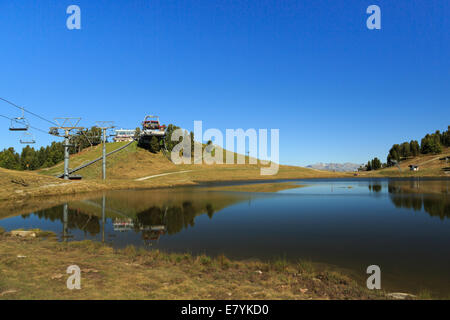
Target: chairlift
[(19, 123), (27, 138), (54, 131)]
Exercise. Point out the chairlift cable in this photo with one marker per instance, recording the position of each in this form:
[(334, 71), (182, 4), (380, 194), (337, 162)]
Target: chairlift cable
[(32, 127), (30, 112)]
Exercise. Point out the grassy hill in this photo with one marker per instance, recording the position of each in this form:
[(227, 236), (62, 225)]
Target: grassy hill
[(81, 158), (430, 165), (133, 163), (132, 168), (12, 180)]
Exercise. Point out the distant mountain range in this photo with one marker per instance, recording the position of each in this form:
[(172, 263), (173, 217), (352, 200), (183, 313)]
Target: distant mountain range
[(339, 167)]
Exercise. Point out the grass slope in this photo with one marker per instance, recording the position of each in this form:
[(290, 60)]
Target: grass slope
[(15, 185), (133, 162), (36, 269), (81, 158), (429, 166), (129, 164)]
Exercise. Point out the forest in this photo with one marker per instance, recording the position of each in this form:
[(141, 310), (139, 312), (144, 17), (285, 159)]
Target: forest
[(430, 144), (44, 157)]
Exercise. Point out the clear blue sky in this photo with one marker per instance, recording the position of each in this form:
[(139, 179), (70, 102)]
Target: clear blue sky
[(336, 90)]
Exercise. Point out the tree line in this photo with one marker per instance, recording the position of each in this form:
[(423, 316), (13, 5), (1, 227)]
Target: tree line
[(429, 144), (44, 157)]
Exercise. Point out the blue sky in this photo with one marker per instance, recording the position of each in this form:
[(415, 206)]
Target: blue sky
[(336, 90)]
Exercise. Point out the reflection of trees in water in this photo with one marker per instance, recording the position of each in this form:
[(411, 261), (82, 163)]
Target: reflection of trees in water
[(436, 205), (375, 187), (151, 216), (407, 201), (209, 210), (76, 219), (437, 208), (174, 218)]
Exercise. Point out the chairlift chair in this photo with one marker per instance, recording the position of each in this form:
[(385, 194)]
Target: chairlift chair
[(19, 123), (27, 138)]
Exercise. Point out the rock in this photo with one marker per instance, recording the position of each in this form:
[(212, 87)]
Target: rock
[(21, 256), (22, 233), (20, 181), (7, 292), (57, 276), (400, 295), (303, 290), (258, 271)]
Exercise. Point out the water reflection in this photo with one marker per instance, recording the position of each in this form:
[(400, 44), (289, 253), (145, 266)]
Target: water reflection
[(70, 218), (432, 196), (149, 215), (348, 223), (375, 187)]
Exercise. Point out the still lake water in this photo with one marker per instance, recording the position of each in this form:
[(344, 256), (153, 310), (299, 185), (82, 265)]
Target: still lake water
[(403, 226)]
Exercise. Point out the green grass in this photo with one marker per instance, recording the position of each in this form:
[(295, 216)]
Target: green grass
[(85, 156)]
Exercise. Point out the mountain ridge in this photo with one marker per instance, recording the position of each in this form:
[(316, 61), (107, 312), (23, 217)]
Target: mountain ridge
[(339, 167)]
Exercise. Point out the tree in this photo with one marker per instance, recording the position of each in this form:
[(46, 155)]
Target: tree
[(192, 142), (394, 154), (431, 144), (41, 155), (10, 159), (84, 139), (28, 159), (445, 138), (168, 138), (376, 164), (137, 133), (405, 150), (155, 146), (414, 147)]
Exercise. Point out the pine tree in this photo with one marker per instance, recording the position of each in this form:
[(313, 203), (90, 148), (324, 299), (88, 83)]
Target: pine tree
[(376, 164), (154, 145), (414, 147)]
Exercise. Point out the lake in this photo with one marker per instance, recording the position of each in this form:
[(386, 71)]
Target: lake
[(401, 225)]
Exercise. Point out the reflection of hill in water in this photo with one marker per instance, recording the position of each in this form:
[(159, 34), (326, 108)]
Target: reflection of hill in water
[(132, 202), (141, 211), (430, 195)]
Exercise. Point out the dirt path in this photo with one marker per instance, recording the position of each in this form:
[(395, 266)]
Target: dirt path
[(160, 175), (434, 159)]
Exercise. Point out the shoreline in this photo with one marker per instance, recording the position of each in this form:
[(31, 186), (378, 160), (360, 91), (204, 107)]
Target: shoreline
[(133, 273), (67, 188)]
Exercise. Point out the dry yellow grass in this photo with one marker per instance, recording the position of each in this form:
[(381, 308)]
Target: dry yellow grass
[(81, 158), (124, 167), (36, 269), (429, 166)]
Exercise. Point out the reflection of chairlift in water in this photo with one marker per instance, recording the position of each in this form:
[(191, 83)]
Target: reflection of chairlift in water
[(151, 234), (27, 138), (122, 225), (19, 123)]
